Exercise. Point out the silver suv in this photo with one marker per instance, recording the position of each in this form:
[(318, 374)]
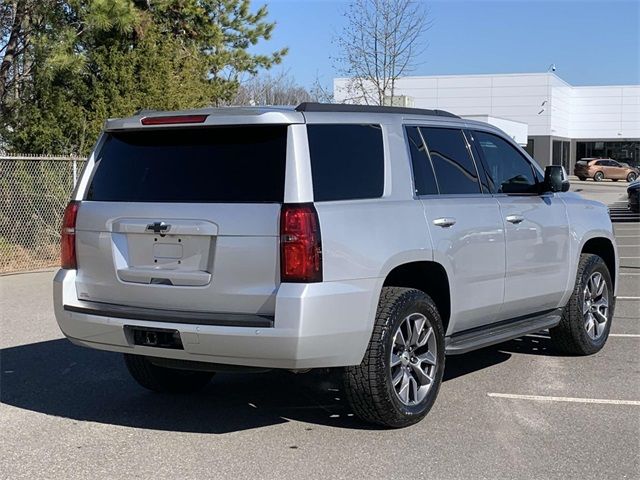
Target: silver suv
[(374, 239)]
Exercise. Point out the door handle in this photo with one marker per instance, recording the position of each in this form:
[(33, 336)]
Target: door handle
[(444, 222), (515, 219)]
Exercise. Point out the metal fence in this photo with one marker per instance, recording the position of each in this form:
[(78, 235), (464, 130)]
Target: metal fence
[(33, 193)]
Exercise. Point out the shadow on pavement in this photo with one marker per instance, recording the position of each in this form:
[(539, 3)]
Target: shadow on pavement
[(58, 378)]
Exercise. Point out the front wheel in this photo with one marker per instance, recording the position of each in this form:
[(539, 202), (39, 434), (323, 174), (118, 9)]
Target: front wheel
[(598, 177), (398, 380), (163, 379), (631, 177), (586, 320)]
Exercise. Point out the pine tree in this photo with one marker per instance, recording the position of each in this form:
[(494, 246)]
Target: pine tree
[(82, 61)]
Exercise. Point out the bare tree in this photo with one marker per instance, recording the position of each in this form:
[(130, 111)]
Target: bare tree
[(280, 89), (381, 41), (321, 93)]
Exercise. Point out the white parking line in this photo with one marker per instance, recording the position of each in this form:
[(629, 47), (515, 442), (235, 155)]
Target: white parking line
[(627, 246), (630, 274), (565, 399), (627, 298), (627, 236), (628, 258), (626, 335)]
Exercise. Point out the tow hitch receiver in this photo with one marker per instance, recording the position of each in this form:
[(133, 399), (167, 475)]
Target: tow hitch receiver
[(154, 337)]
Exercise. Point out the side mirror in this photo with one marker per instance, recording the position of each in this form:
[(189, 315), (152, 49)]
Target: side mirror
[(555, 179)]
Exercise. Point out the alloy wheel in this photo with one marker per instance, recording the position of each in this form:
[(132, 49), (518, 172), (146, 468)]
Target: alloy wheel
[(413, 359), (595, 305)]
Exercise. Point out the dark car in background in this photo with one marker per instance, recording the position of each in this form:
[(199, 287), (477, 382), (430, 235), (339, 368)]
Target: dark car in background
[(601, 168), (633, 190)]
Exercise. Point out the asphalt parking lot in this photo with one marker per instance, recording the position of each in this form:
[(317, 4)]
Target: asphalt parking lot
[(517, 410)]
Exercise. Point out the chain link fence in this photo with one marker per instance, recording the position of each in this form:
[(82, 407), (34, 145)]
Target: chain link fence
[(34, 191)]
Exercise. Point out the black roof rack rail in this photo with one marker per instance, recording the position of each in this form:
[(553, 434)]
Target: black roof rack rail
[(341, 107)]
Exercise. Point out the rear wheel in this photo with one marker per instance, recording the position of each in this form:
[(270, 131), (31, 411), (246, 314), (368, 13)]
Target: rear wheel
[(598, 177), (400, 375), (631, 177), (586, 320), (163, 379)]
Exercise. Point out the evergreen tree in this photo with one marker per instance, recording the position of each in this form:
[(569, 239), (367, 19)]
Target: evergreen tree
[(79, 62)]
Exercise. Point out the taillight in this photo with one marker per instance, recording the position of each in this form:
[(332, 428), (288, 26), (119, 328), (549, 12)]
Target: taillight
[(300, 244), (173, 119), (68, 236)]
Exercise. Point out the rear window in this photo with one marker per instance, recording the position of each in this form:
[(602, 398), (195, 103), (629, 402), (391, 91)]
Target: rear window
[(347, 161), (215, 164)]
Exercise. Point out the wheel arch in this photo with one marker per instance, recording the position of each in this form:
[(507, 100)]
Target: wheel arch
[(427, 276), (604, 248)]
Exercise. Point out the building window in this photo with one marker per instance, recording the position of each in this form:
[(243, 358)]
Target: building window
[(623, 151), (530, 146), (561, 154)]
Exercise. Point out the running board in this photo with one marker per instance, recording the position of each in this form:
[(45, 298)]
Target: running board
[(485, 336)]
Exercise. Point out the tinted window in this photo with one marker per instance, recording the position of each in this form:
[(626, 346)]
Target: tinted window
[(510, 171), (223, 164), (425, 182), (455, 171), (347, 161)]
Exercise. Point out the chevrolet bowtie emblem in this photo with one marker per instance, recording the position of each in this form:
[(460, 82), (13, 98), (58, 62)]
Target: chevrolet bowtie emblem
[(158, 227)]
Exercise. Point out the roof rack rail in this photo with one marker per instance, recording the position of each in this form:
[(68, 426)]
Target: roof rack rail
[(341, 107)]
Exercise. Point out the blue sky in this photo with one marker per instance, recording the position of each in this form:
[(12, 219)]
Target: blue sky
[(591, 42)]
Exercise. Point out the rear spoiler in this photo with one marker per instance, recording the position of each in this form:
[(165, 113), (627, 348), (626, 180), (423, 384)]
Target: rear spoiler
[(212, 116)]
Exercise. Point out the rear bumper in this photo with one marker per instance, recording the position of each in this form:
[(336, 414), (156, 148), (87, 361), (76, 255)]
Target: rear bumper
[(315, 325)]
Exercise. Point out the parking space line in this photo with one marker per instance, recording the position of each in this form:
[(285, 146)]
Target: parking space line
[(565, 399), (627, 298), (628, 246), (629, 274), (628, 258), (627, 236), (625, 335)]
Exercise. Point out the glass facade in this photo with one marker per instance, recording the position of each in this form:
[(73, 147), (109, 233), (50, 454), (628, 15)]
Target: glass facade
[(622, 151), (530, 146), (560, 154)]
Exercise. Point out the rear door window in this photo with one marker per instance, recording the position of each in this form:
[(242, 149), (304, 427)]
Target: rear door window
[(347, 161), (423, 176), (197, 165), (455, 170)]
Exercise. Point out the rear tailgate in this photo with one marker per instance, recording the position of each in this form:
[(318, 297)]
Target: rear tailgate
[(184, 219)]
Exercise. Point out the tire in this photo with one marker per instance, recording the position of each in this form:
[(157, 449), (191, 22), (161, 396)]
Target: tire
[(572, 335), (163, 379), (370, 387), (598, 176), (631, 177)]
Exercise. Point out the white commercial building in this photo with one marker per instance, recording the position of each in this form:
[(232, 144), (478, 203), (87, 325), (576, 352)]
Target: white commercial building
[(564, 122)]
